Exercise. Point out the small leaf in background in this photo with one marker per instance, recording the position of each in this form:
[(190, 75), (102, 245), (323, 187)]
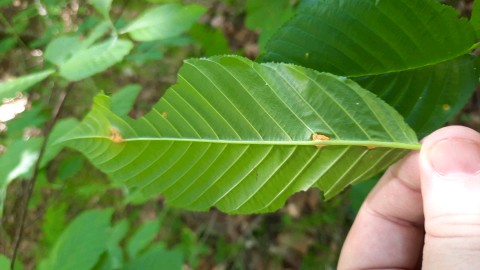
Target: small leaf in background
[(60, 49), (60, 129), (147, 51), (70, 166), (123, 100), (157, 257), (164, 21), (6, 44), (142, 237), (34, 117), (11, 87), (97, 32), (475, 18), (115, 259), (267, 16), (80, 245), (54, 223), (102, 6), (95, 59), (211, 40), (16, 162), (5, 263)]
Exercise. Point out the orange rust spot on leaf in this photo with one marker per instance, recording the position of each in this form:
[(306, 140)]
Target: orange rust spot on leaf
[(319, 137), (115, 135), (164, 115), (371, 147)]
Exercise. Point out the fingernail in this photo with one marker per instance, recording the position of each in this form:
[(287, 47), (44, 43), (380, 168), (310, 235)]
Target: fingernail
[(455, 156)]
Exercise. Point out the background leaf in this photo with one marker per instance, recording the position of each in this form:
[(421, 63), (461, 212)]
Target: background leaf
[(82, 242), (102, 6), (155, 256), (267, 16), (238, 135), (95, 59), (62, 48), (9, 88), (142, 237), (164, 22), (364, 37), (123, 100)]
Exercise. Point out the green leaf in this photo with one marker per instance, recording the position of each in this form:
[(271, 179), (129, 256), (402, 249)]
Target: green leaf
[(97, 32), (366, 37), (115, 254), (267, 16), (212, 40), (102, 6), (95, 59), (62, 48), (142, 237), (52, 149), (427, 97), (164, 21), (82, 242), (242, 136), (475, 18), (157, 256), (17, 162), (11, 87), (123, 100)]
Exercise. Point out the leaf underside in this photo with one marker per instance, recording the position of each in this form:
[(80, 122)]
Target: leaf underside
[(243, 136)]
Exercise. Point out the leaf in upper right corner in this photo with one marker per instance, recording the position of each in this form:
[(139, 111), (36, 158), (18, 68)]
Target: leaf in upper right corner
[(164, 22), (475, 18), (365, 37)]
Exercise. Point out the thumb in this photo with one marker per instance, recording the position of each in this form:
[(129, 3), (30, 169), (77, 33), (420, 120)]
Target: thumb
[(450, 183)]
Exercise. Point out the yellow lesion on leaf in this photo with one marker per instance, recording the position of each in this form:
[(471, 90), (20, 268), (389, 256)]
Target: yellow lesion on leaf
[(371, 146), (319, 137), (164, 115), (115, 135)]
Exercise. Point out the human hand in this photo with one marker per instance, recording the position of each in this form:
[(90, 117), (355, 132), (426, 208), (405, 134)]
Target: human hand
[(425, 211)]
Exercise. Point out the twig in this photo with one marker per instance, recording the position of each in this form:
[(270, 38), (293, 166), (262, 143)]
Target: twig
[(31, 183)]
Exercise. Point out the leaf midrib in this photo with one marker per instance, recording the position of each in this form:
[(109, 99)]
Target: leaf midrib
[(372, 144)]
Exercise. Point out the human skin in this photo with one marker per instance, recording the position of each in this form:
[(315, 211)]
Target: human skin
[(425, 210)]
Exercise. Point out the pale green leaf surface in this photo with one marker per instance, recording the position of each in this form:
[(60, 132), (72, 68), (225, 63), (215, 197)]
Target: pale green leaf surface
[(142, 237), (164, 22), (238, 135), (11, 87), (123, 100), (17, 162), (102, 6), (62, 48), (267, 16), (97, 32), (81, 243), (157, 256), (366, 37), (95, 59)]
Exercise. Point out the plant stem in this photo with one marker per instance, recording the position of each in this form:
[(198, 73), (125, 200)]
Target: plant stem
[(36, 168)]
